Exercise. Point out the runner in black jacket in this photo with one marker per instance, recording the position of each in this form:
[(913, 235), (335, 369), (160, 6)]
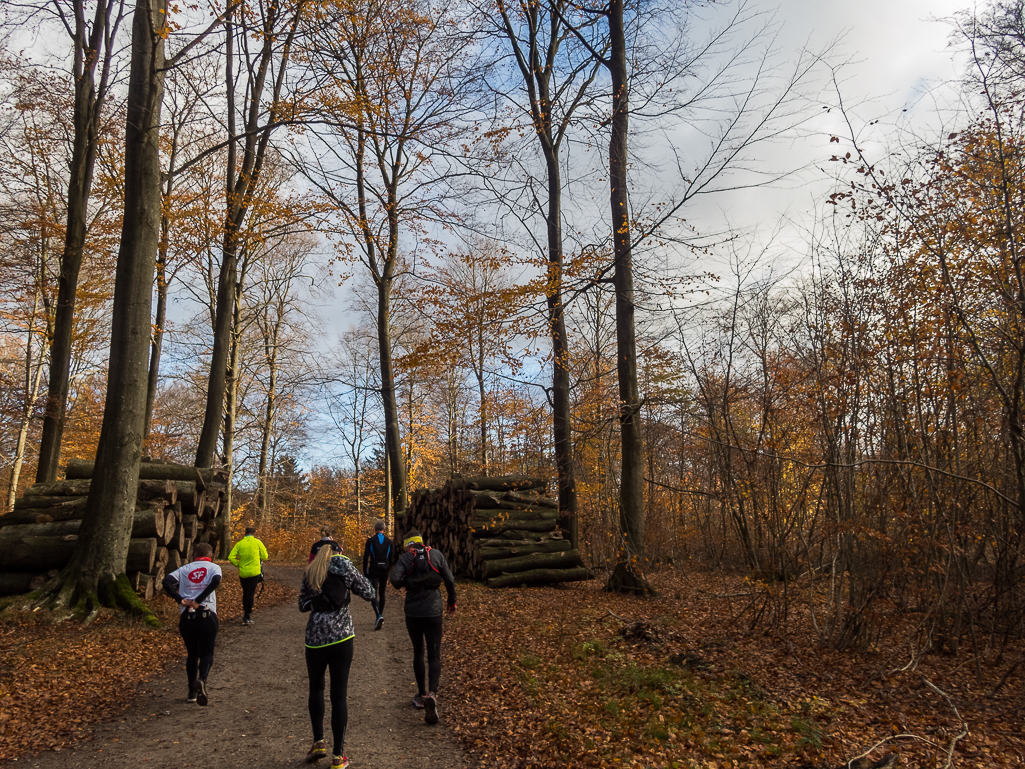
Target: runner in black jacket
[(421, 571), (378, 556)]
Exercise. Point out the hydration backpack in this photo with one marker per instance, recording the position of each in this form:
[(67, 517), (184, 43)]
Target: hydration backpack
[(422, 573), (333, 595)]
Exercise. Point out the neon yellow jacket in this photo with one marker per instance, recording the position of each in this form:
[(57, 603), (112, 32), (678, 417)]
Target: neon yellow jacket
[(247, 555)]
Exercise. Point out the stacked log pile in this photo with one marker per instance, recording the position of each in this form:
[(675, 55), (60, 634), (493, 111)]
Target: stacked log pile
[(177, 506), (502, 531)]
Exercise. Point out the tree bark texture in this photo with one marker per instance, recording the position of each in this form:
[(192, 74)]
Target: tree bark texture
[(92, 576), (92, 50), (631, 489)]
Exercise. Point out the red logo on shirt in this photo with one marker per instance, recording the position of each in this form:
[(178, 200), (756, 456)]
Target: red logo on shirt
[(197, 575)]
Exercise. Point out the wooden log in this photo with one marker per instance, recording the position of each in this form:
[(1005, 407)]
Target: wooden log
[(147, 522), (540, 577), (150, 520), (528, 506), (191, 498), (485, 500), (532, 498), (68, 512), (521, 514), (33, 553), (174, 561), (141, 555), (525, 548), (17, 582), (490, 529), (45, 529), (533, 561), (158, 574), (512, 538), (158, 489), (203, 477), (144, 585), (191, 524), (65, 488), (498, 483), (39, 501)]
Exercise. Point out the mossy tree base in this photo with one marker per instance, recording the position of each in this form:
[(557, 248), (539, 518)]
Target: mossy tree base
[(625, 578), (73, 594)]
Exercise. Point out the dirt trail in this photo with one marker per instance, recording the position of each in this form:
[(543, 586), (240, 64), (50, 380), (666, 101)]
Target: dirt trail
[(257, 717)]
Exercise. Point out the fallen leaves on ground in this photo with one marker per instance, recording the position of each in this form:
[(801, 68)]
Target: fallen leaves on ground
[(572, 676), (58, 679)]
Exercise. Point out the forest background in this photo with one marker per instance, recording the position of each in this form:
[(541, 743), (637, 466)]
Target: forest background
[(839, 398)]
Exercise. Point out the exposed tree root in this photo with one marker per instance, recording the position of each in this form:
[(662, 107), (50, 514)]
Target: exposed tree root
[(71, 596), (625, 578)]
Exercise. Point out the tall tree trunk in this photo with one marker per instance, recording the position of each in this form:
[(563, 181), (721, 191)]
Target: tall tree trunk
[(562, 417), (270, 351), (32, 385), (389, 400), (482, 394), (230, 414), (157, 340), (536, 64), (160, 317), (95, 576), (89, 97), (627, 575)]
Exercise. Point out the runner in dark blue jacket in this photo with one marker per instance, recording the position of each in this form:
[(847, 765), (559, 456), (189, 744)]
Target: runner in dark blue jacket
[(378, 556)]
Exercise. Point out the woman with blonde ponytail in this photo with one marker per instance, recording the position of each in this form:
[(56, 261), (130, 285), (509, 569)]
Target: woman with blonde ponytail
[(328, 581)]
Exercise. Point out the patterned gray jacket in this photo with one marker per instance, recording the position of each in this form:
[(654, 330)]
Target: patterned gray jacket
[(325, 628)]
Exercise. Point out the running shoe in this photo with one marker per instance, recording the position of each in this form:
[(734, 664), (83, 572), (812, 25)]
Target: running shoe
[(247, 621), (193, 694), (317, 752), (418, 702), (201, 698), (380, 621), (431, 708), (339, 762)]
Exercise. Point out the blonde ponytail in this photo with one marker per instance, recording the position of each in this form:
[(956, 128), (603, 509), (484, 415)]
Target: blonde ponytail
[(316, 572)]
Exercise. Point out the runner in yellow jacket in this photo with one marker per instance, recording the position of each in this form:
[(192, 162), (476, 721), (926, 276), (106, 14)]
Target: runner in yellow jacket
[(249, 554)]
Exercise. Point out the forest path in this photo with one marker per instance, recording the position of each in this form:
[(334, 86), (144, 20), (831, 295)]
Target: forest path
[(258, 718)]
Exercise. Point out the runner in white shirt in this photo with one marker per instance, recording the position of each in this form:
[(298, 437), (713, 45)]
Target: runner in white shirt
[(193, 586)]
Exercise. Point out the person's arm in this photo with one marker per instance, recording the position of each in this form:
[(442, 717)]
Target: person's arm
[(264, 556), (233, 555), (170, 585), (367, 551), (450, 582), (214, 582), (305, 597), (355, 581), (398, 574)]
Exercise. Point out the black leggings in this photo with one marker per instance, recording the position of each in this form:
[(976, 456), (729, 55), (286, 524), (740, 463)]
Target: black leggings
[(421, 630), (379, 584), (337, 658), (249, 585), (199, 634)]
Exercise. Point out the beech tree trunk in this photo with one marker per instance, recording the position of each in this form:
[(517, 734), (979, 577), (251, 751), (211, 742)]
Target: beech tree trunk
[(627, 575), (90, 53), (96, 573)]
